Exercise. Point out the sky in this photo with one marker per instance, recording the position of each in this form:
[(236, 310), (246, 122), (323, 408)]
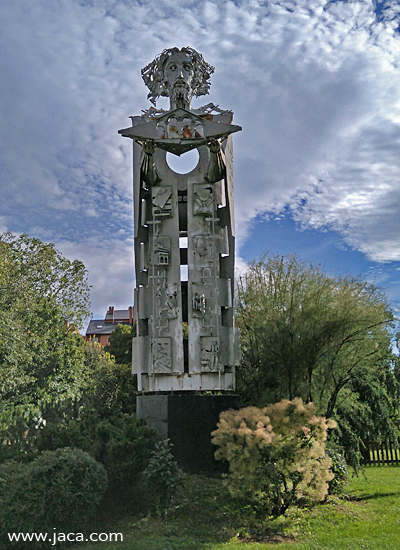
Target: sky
[(315, 85)]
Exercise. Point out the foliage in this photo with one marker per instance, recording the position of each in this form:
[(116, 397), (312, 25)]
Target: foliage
[(102, 422), (60, 489), (326, 339), (120, 442), (163, 473), (204, 515), (96, 357), (36, 278), (113, 388), (276, 455), (43, 298), (55, 390), (120, 344), (339, 469)]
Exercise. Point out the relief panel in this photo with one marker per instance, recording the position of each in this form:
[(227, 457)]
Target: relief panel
[(203, 304), (161, 199), (209, 354), (204, 251), (203, 200), (161, 251), (161, 351), (166, 303)]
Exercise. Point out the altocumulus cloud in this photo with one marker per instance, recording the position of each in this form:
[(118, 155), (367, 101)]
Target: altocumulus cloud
[(315, 86)]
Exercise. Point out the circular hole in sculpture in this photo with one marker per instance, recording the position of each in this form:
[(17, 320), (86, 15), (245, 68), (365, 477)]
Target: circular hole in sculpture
[(185, 163)]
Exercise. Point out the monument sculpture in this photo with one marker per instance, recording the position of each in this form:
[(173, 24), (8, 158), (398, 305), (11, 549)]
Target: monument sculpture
[(186, 347), (184, 233)]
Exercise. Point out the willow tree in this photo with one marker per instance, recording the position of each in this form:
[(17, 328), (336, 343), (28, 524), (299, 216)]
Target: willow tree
[(324, 338)]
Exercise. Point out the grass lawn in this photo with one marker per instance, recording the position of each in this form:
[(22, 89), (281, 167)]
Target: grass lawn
[(206, 519)]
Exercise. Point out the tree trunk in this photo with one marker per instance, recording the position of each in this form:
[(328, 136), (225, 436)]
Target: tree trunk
[(332, 400)]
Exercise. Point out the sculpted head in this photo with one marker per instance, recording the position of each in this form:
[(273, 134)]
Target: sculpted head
[(178, 74)]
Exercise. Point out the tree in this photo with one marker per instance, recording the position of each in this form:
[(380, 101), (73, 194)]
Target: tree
[(55, 390), (44, 297), (326, 339), (120, 343), (101, 421), (113, 388)]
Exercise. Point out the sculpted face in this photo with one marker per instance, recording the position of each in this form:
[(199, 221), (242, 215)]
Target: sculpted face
[(178, 76)]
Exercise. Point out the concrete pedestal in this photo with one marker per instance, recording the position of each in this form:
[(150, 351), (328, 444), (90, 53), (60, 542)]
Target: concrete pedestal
[(187, 420)]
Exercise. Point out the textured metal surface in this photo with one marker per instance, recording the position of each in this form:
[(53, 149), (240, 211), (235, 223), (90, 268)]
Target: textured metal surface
[(198, 206)]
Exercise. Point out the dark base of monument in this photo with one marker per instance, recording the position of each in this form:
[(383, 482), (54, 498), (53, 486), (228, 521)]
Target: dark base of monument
[(187, 420)]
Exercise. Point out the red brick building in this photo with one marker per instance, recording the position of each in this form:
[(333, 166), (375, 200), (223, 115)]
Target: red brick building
[(99, 330)]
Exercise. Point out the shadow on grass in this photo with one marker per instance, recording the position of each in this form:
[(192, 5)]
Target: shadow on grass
[(371, 496), (202, 517), (168, 533), (187, 543)]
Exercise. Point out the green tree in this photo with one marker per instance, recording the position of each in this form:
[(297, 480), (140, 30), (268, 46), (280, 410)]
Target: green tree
[(55, 390), (120, 344), (101, 421), (326, 339), (44, 297), (113, 387)]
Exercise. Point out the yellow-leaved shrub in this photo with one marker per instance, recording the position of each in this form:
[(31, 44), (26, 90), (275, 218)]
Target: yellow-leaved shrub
[(276, 454)]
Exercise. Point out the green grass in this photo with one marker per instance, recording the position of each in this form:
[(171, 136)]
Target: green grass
[(205, 518)]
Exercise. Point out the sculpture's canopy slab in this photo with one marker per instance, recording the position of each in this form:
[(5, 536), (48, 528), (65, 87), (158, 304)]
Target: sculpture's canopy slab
[(179, 131)]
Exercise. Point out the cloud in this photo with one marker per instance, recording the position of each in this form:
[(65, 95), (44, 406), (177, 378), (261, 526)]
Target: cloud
[(326, 138), (358, 193), (315, 86), (111, 272), (3, 226)]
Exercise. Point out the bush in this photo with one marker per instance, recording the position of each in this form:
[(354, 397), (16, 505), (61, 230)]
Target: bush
[(163, 474), (120, 442), (340, 471), (60, 489), (106, 388), (123, 445), (101, 423), (276, 455)]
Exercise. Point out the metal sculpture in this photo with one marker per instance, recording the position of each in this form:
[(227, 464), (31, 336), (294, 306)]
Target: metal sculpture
[(184, 234)]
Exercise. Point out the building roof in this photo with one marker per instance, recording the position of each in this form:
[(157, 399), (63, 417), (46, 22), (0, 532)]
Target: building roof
[(97, 327), (118, 315)]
